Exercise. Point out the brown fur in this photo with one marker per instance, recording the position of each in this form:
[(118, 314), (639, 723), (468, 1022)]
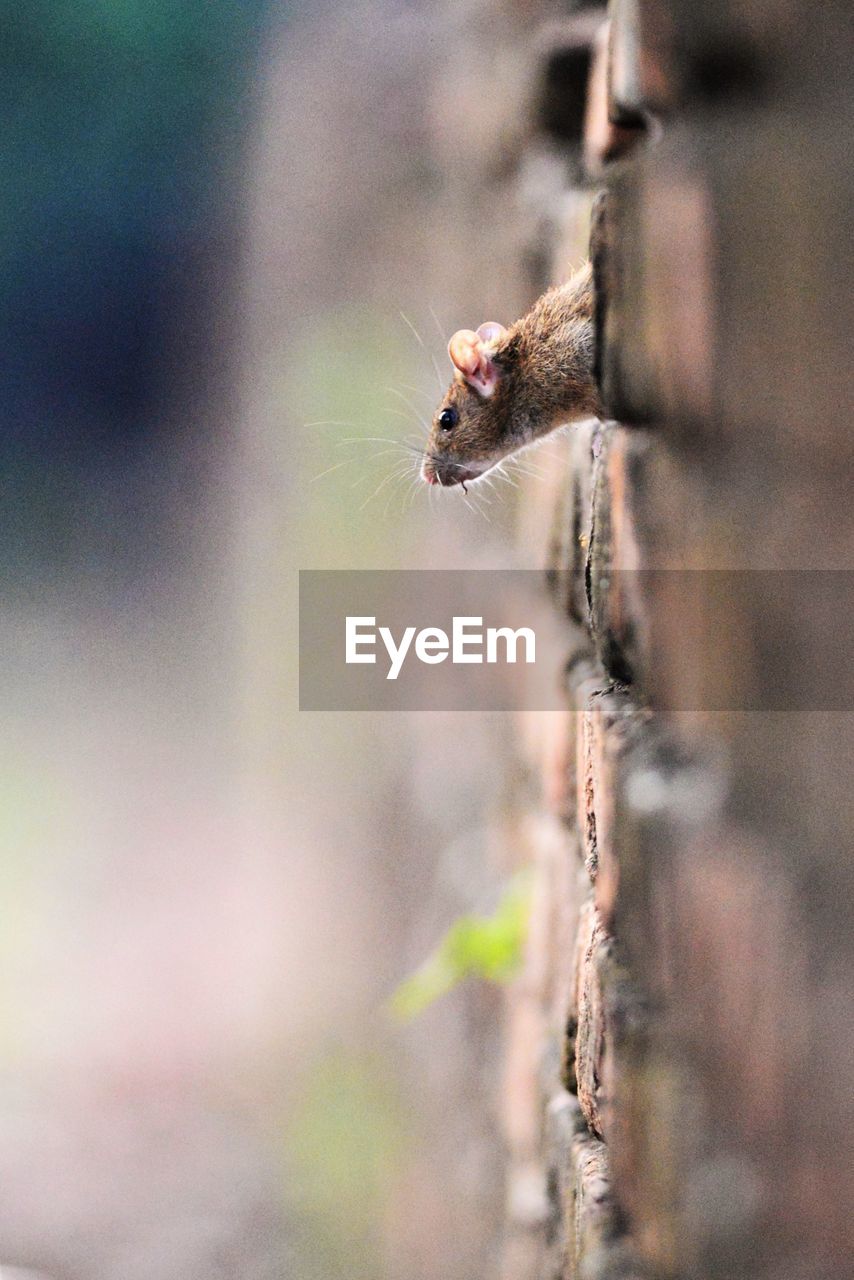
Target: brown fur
[(545, 365)]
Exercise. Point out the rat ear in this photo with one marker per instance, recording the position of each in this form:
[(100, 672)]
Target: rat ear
[(464, 350), (491, 331), (469, 356)]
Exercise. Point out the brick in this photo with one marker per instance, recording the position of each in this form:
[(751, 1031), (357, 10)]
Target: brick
[(700, 329), (598, 255), (564, 64), (560, 892), (605, 139), (707, 1030), (585, 811), (557, 765), (656, 268), (624, 371), (571, 890), (708, 1082), (571, 528), (613, 558), (562, 1121), (646, 75), (743, 52), (636, 77), (583, 941), (593, 1215), (590, 1018), (780, 352), (585, 1239), (607, 726)]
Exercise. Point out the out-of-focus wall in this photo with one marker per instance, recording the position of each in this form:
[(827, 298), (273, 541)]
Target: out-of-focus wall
[(680, 1043)]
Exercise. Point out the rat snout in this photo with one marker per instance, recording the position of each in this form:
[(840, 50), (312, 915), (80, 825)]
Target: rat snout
[(459, 475), (444, 472)]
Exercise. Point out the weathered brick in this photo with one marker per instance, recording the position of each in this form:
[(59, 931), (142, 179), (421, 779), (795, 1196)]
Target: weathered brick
[(641, 77), (586, 1240), (707, 1032), (572, 884), (562, 1121), (700, 328), (607, 725), (645, 73), (593, 1215), (558, 764), (589, 1017), (707, 1050), (571, 529), (625, 56), (605, 138), (732, 51), (585, 812), (613, 561), (623, 365), (656, 275), (560, 93), (586, 447)]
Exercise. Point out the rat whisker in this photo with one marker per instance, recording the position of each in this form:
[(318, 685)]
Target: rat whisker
[(525, 469), (407, 417), (398, 444), (439, 328), (409, 496), (505, 475), (400, 467), (409, 405), (329, 470), (545, 455), (394, 493), (393, 475), (484, 501), (477, 510), (415, 332), (517, 474), (423, 346), (438, 374), (386, 453), (333, 422), (444, 341), (419, 391)]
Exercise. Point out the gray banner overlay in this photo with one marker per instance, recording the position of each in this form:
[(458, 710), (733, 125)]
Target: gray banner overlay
[(475, 640)]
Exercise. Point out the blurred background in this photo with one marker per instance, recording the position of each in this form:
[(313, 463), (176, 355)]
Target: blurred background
[(236, 237)]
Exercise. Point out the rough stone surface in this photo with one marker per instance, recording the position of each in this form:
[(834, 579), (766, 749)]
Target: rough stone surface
[(694, 1110)]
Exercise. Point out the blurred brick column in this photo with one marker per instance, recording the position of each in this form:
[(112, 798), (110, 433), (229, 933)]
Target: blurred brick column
[(686, 981)]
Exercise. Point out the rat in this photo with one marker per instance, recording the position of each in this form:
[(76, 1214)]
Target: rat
[(512, 386)]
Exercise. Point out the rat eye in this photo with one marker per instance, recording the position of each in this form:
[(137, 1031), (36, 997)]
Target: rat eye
[(448, 419)]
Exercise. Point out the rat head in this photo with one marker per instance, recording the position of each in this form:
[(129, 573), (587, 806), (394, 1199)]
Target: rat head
[(467, 435)]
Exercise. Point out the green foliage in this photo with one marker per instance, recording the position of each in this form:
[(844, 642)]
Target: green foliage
[(487, 947)]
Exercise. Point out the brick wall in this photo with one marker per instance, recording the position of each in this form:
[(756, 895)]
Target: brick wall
[(679, 1087)]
